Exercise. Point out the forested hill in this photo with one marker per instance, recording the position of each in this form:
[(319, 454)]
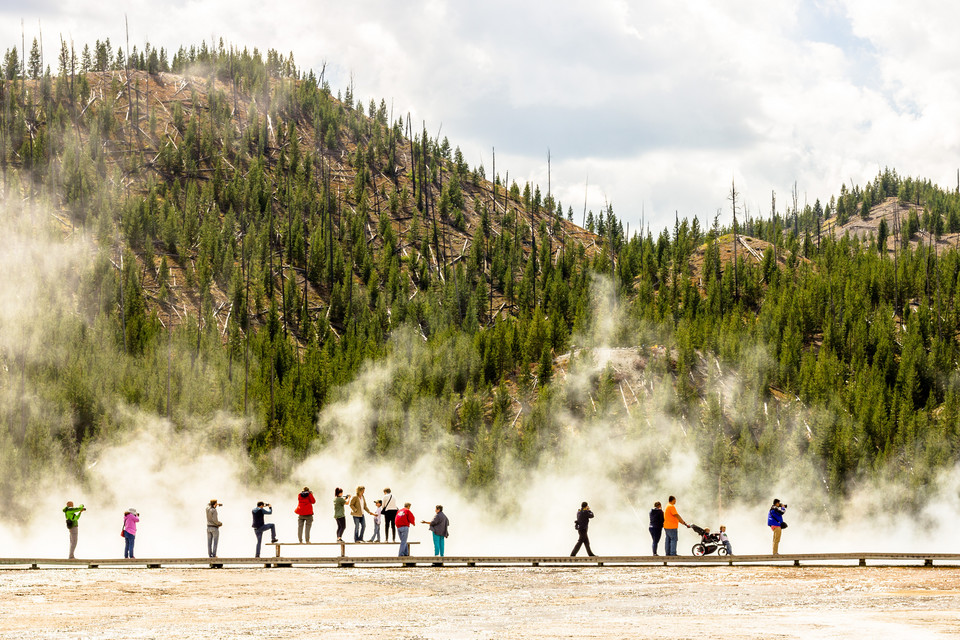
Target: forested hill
[(259, 239)]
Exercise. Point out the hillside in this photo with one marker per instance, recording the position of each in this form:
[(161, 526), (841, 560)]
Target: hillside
[(364, 167), (257, 251), (895, 215)]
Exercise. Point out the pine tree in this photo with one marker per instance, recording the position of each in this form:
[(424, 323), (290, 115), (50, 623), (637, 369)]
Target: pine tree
[(36, 65)]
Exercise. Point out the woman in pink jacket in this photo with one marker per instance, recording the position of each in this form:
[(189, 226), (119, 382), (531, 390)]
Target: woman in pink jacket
[(130, 520)]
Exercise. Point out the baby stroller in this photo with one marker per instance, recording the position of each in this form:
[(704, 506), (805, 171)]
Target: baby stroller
[(709, 542)]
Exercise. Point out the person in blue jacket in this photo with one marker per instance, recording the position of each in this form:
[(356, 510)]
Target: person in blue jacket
[(776, 523)]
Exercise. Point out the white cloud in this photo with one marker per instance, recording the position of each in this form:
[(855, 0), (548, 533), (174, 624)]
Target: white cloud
[(661, 103)]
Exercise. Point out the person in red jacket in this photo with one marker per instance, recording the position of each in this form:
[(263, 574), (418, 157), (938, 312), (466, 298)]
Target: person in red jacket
[(405, 520), (304, 511)]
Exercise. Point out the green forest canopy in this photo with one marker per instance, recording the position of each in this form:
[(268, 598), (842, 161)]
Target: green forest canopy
[(260, 240)]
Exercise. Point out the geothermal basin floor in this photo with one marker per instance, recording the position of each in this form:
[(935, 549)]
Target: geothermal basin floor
[(499, 602)]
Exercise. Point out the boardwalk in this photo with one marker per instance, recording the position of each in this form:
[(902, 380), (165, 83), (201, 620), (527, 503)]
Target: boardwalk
[(824, 559)]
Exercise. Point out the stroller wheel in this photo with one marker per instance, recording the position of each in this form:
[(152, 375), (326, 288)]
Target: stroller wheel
[(698, 550), (721, 551)]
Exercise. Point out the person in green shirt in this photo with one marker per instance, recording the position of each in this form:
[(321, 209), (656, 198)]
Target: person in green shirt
[(339, 500), (73, 524)]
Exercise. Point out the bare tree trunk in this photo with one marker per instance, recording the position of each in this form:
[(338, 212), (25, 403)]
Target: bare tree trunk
[(169, 359), (733, 200), (305, 264), (586, 188), (126, 67), (246, 324), (199, 324), (493, 212), (896, 242), (418, 186), (123, 306), (548, 178)]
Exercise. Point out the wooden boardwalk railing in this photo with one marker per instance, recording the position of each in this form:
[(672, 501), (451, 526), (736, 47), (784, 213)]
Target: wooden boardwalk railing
[(342, 545), (811, 559)]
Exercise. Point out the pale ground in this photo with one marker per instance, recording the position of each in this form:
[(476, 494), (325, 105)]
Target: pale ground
[(607, 602)]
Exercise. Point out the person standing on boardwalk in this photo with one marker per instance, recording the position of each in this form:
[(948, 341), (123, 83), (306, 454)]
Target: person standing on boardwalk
[(389, 515), (581, 525), (259, 526), (130, 520), (405, 520), (376, 521), (339, 501), (304, 511), (656, 524), (73, 525), (213, 528), (776, 523), (440, 526), (358, 504), (671, 522), (725, 540)]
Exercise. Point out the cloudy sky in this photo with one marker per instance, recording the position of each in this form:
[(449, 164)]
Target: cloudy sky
[(657, 104)]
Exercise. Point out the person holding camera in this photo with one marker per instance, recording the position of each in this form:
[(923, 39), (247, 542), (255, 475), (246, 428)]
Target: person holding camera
[(581, 524), (304, 511), (72, 514), (776, 523), (129, 531), (339, 501), (259, 526), (213, 528)]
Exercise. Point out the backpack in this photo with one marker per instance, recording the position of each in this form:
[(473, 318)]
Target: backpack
[(576, 523)]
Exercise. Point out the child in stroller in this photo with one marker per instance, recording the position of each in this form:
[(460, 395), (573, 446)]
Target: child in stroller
[(709, 542)]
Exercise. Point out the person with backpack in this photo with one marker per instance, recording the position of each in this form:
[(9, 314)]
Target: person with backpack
[(389, 515), (73, 525), (304, 511), (581, 524), (776, 523)]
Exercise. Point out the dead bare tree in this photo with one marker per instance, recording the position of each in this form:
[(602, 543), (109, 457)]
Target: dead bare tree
[(733, 204), (586, 187)]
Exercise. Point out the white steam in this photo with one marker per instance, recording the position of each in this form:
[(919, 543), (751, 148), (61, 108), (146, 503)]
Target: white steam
[(620, 463)]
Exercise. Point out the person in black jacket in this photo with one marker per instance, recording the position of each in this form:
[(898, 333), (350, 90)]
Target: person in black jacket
[(259, 526), (656, 525), (583, 521)]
